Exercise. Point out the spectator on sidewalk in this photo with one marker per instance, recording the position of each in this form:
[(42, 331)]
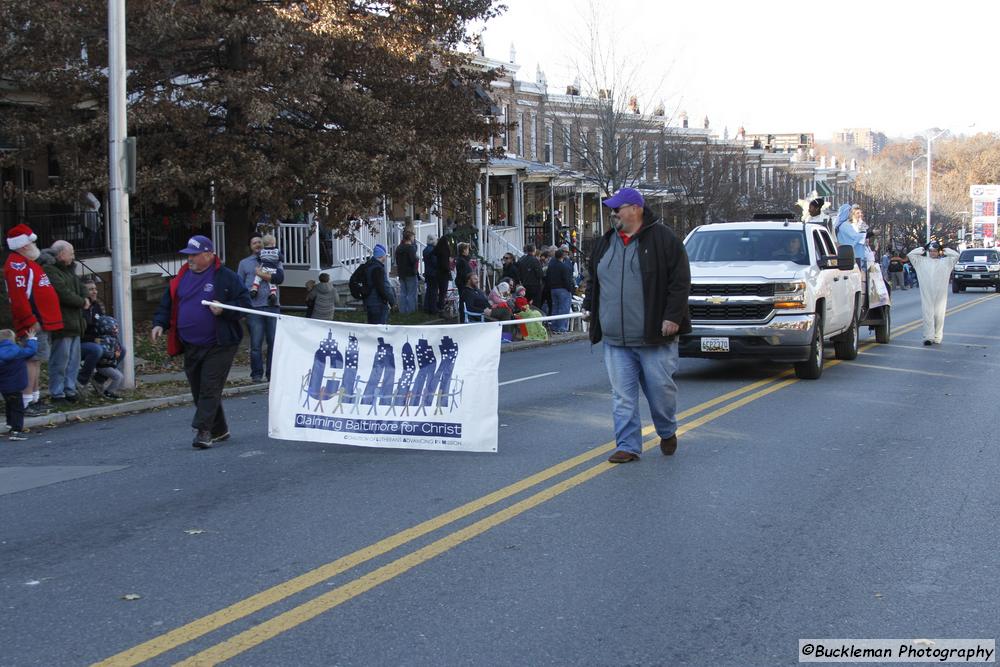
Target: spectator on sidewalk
[(90, 348), (510, 270), (442, 255), (251, 271), (406, 271), (637, 300), (529, 271), (207, 336), (310, 297), (324, 299), (108, 379), (13, 377), (463, 269), (896, 271), (34, 306), (559, 277), (430, 277), (380, 295), (64, 361)]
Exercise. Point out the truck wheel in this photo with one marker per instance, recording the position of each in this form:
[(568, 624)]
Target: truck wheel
[(812, 368), (955, 289), (845, 346), (883, 331)]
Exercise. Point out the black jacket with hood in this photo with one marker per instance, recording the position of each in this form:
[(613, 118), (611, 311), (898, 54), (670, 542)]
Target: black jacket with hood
[(666, 281)]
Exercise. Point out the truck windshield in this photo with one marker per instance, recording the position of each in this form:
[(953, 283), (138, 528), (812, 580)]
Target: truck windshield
[(980, 255), (748, 245)]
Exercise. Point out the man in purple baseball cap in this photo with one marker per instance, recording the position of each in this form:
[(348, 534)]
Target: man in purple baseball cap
[(207, 336), (637, 303)]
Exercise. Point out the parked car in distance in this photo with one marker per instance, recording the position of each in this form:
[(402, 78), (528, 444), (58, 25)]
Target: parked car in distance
[(976, 267)]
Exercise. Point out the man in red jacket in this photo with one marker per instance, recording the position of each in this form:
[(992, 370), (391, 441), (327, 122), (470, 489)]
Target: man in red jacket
[(34, 305)]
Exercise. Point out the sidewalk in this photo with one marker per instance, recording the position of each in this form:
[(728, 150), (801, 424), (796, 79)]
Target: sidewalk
[(238, 377)]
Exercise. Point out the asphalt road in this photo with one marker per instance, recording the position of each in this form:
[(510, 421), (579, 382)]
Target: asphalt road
[(861, 505)]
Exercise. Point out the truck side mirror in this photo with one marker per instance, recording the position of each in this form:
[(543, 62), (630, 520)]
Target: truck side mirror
[(845, 257)]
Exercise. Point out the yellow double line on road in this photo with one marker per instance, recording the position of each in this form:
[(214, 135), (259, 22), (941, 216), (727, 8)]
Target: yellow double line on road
[(308, 610)]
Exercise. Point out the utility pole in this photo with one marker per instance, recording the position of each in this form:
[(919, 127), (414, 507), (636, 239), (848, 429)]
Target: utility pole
[(118, 214)]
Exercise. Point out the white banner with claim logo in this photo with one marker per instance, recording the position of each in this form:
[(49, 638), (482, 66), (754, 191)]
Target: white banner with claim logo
[(432, 387)]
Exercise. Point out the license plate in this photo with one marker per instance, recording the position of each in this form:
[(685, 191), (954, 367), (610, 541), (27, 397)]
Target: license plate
[(715, 345)]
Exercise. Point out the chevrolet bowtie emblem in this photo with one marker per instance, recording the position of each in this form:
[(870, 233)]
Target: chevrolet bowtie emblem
[(718, 299)]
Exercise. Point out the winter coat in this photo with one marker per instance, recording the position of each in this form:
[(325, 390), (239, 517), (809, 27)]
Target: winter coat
[(71, 291), (324, 300), (13, 371), (32, 296), (228, 290), (666, 281), (530, 271)]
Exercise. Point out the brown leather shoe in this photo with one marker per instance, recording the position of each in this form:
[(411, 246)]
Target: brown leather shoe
[(668, 445), (622, 457)]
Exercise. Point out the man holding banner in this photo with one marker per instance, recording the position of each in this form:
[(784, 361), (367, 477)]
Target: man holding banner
[(208, 336), (637, 298)]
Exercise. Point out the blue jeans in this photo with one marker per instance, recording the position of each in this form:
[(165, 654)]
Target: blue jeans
[(261, 326), (377, 314), (561, 303), (90, 353), (652, 368), (64, 364), (408, 294)]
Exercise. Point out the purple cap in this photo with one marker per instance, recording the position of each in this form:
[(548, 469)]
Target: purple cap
[(623, 197), (197, 244)]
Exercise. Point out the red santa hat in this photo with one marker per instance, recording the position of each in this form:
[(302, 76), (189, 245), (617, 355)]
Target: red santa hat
[(19, 236)]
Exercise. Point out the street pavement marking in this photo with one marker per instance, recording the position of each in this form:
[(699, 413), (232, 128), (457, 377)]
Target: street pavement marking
[(903, 370), (238, 610), (281, 623), (250, 605), (530, 377)]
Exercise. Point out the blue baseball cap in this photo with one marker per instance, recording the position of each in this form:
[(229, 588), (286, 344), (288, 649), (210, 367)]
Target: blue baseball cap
[(623, 197), (379, 251), (197, 244)]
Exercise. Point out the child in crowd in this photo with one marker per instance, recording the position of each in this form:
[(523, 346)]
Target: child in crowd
[(269, 258), (107, 378), (14, 378), (310, 297)]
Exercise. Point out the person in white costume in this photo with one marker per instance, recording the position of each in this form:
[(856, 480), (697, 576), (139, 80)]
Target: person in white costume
[(933, 266)]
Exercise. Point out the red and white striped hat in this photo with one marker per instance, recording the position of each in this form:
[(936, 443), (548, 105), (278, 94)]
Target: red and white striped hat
[(19, 236)]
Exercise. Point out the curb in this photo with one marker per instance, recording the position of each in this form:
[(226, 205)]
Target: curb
[(73, 416)]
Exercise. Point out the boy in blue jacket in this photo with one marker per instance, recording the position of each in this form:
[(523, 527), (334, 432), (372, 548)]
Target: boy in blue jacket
[(14, 378)]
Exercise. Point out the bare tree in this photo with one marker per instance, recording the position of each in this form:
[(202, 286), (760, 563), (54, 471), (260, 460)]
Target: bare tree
[(611, 140), (709, 176)]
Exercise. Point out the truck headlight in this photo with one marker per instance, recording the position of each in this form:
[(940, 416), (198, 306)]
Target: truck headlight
[(960, 267), (993, 267), (792, 288)]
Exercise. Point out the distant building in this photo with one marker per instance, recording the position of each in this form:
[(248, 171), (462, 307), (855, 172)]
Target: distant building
[(863, 137), (788, 142)]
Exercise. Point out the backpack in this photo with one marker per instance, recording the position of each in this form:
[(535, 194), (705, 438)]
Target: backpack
[(358, 283)]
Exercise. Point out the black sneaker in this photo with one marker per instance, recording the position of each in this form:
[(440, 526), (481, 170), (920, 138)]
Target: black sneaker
[(202, 440), (272, 299), (35, 410), (928, 342), (112, 396), (253, 294), (16, 435), (222, 437), (72, 398)]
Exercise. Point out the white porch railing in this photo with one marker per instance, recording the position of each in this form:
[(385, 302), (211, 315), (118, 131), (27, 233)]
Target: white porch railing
[(293, 239), (219, 239), (499, 242), (349, 252)]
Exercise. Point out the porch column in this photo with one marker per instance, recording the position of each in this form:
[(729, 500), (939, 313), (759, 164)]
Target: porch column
[(518, 215), (552, 211)]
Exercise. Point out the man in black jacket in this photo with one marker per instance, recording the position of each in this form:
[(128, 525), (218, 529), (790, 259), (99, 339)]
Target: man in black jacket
[(406, 271), (637, 303), (530, 271)]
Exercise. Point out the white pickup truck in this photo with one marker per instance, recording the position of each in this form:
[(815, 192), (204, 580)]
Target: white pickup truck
[(776, 290)]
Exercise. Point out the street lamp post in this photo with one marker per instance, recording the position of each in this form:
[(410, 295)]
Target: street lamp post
[(930, 140)]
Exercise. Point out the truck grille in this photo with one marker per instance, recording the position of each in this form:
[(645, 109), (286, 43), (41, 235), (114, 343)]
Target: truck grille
[(748, 289), (748, 311)]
